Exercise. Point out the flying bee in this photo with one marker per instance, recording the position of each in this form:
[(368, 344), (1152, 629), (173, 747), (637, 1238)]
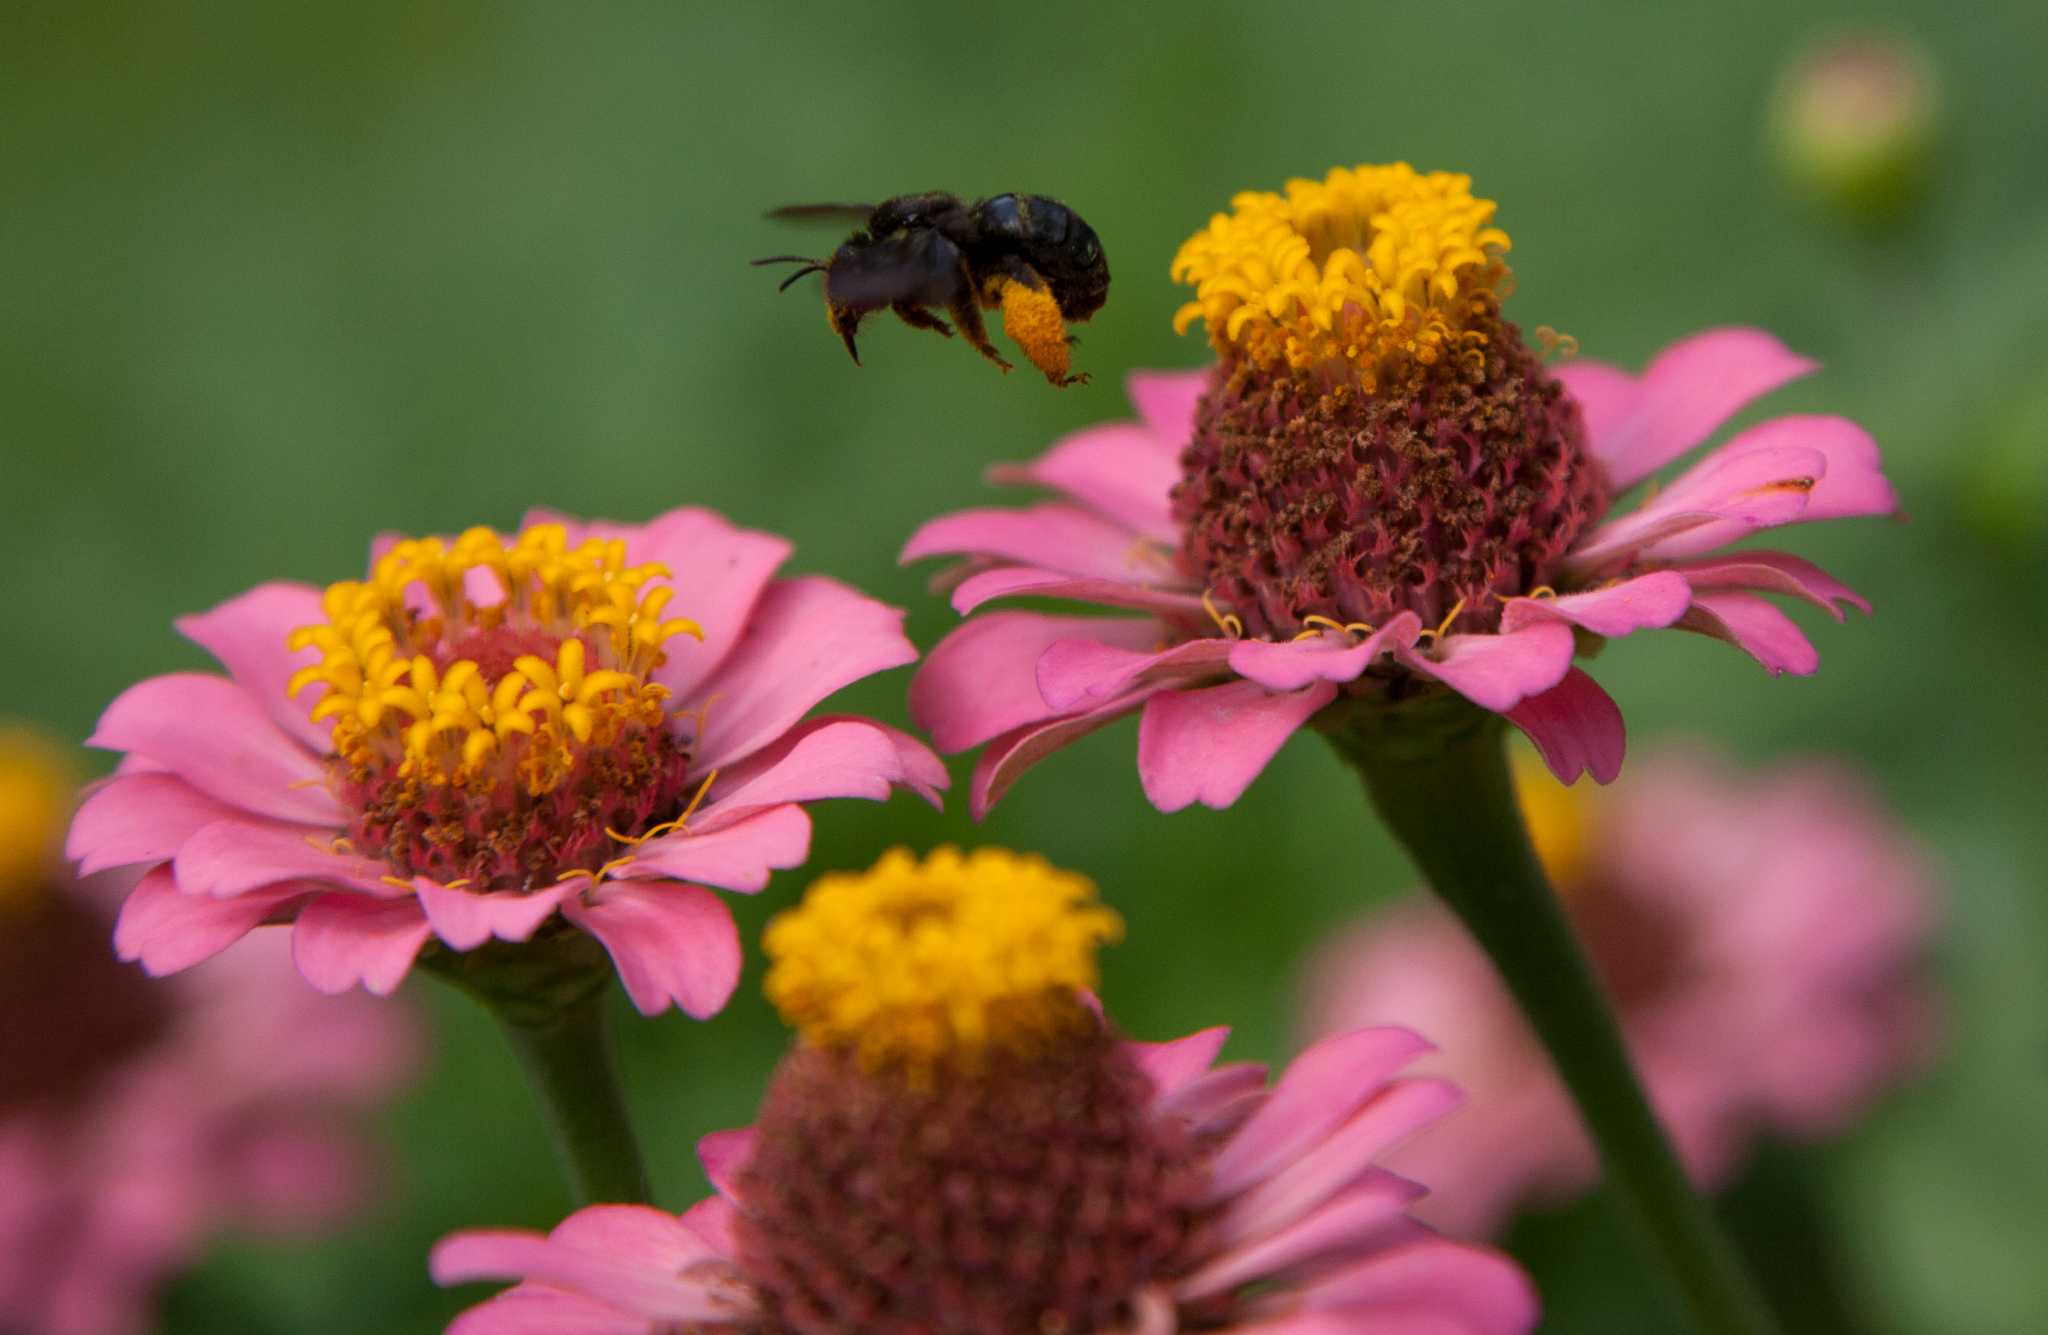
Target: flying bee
[(1029, 255)]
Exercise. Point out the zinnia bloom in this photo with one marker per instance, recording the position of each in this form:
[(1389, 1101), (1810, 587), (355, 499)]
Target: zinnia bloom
[(1757, 932), (493, 737), (961, 1144), (137, 1120), (1379, 490)]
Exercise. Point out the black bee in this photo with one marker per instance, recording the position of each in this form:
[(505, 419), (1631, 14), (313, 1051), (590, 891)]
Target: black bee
[(1028, 254)]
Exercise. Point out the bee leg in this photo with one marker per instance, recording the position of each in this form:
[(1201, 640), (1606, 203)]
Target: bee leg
[(917, 317), (968, 317), (845, 323), (1033, 321)]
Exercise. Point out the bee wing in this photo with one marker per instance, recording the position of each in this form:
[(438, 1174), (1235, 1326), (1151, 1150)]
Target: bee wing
[(857, 213), (920, 267)]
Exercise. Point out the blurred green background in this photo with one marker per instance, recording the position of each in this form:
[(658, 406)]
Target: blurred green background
[(275, 277)]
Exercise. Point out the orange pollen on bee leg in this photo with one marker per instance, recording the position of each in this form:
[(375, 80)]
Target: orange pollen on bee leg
[(1033, 321)]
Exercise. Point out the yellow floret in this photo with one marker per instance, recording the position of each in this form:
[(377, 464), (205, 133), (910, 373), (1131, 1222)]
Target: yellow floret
[(1559, 824), (387, 699), (1368, 262), (35, 798), (915, 964)]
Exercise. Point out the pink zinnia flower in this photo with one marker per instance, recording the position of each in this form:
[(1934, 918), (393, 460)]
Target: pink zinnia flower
[(137, 1120), (1373, 495), (961, 1144), (491, 737), (1757, 932)]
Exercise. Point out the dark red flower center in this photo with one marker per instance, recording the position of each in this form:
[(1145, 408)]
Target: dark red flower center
[(73, 1010), (1038, 1196), (1446, 488)]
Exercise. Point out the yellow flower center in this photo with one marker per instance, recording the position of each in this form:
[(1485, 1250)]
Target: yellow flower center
[(35, 797), (1560, 825), (454, 662), (917, 964), (1367, 263)]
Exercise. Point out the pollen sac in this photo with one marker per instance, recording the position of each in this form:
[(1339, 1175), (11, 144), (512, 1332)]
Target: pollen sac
[(1440, 487), (1038, 1196)]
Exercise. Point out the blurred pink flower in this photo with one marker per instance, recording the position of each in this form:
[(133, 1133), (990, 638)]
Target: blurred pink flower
[(138, 1119), (1221, 685), (490, 730), (1299, 1230), (1758, 934)]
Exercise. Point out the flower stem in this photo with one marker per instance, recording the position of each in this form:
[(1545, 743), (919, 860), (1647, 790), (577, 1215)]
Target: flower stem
[(569, 1064), (1436, 769), (548, 996)]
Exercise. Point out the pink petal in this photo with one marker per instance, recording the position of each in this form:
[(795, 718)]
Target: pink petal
[(1006, 758), (1318, 1091), (247, 634), (624, 1278), (166, 931), (1604, 393), (141, 817), (1483, 1291), (672, 943), (713, 1219), (1166, 401), (1330, 1165), (724, 1154), (1082, 673), (740, 856), (808, 637), (1773, 572), (1357, 1213), (1500, 671), (1691, 388), (1733, 491), (1052, 536), (831, 756), (1854, 483), (1208, 745), (1171, 1065), (341, 940), (634, 1234), (537, 1310), (1287, 665), (1576, 727), (482, 1253), (1117, 470), (1217, 1102), (1757, 628), (465, 920), (1641, 603), (982, 680), (1029, 582), (213, 734), (718, 573), (233, 856)]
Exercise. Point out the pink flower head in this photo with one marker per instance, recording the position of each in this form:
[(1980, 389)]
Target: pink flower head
[(1757, 933), (967, 1147), (1349, 512), (496, 736), (137, 1120)]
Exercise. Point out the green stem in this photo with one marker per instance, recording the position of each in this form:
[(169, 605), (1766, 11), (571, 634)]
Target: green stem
[(1437, 771), (570, 1066), (548, 996)]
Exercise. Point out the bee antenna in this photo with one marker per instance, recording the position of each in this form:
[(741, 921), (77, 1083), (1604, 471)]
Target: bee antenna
[(810, 267), (782, 259)]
